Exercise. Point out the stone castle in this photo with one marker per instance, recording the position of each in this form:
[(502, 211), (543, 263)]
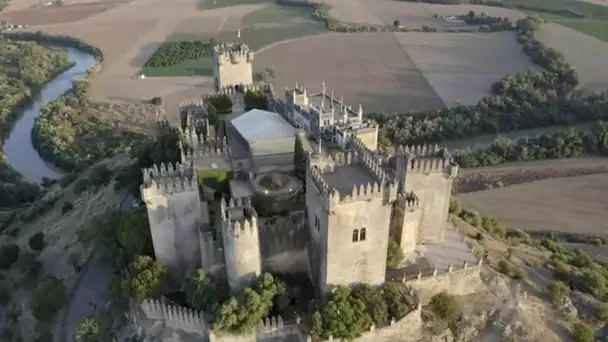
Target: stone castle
[(353, 199)]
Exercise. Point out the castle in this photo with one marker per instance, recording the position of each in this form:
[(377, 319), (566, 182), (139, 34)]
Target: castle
[(355, 197)]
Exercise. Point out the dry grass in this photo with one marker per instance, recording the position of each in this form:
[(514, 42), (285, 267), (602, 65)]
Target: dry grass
[(448, 10), (41, 15), (462, 67), (587, 54), (575, 204), (367, 68), (353, 11)]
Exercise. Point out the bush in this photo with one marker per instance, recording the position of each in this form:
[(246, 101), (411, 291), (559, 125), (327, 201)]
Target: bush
[(255, 100), (445, 307), (47, 299), (67, 206), (157, 101), (222, 103), (394, 254), (9, 255), (583, 333), (36, 241), (559, 291)]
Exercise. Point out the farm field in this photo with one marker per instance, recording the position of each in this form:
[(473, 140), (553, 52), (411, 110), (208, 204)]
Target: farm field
[(367, 68), (585, 53), (214, 4), (573, 204), (259, 28), (462, 67)]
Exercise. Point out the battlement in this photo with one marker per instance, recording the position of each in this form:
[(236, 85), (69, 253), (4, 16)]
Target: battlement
[(433, 165), (372, 162), (168, 186), (176, 317), (157, 172), (239, 218), (420, 150), (232, 53)]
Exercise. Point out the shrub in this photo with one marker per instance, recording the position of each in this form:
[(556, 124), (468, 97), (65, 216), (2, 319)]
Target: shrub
[(559, 291), (9, 255), (47, 299), (445, 307), (394, 254), (157, 101), (222, 103), (36, 241), (583, 333), (67, 206)]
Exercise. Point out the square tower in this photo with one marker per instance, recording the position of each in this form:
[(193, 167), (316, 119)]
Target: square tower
[(232, 65), (349, 203)]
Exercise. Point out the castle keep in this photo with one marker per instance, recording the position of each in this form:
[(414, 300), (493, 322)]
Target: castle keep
[(354, 197)]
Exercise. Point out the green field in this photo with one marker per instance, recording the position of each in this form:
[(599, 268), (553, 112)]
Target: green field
[(594, 23), (255, 35)]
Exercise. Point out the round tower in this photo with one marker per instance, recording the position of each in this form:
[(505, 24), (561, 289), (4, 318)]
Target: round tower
[(241, 243)]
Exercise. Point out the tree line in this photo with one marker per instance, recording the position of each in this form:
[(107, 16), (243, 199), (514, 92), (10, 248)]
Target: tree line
[(528, 100)]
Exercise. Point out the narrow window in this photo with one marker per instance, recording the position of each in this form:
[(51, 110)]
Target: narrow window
[(362, 234), (317, 223), (355, 235)]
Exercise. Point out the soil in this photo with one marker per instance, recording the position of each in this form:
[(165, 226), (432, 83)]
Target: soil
[(573, 204), (367, 68), (586, 54)]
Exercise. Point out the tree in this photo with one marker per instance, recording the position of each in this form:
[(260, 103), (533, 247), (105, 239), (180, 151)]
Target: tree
[(445, 307), (243, 313), (559, 291), (299, 158), (342, 317), (222, 103), (203, 293), (396, 23), (88, 329), (394, 254), (255, 99), (9, 255), (213, 116), (47, 299), (144, 278), (30, 265), (374, 301), (36, 241), (397, 307), (583, 333)]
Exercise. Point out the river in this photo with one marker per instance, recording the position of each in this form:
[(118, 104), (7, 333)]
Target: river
[(18, 148)]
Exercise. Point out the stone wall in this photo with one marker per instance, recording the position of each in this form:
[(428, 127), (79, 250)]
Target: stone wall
[(457, 281), (283, 243), (406, 329)]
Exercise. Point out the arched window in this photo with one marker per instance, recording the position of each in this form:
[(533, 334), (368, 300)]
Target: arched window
[(355, 235), (362, 234)]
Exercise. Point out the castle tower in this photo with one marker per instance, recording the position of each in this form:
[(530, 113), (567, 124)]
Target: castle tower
[(232, 65), (349, 204), (428, 172), (241, 243), (172, 199)]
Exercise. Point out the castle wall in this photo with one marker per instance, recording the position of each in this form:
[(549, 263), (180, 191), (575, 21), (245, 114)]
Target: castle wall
[(369, 138), (212, 254), (458, 281), (174, 222), (317, 218), (364, 261), (433, 191), (283, 243), (408, 223)]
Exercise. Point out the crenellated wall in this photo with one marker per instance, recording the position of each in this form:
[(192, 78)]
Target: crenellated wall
[(232, 65), (283, 243), (457, 280), (406, 222)]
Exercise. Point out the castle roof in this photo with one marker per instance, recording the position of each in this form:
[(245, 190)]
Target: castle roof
[(259, 125)]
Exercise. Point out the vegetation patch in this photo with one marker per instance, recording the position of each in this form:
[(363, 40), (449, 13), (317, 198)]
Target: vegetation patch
[(173, 53), (74, 132), (274, 13), (216, 179), (212, 4), (593, 28)]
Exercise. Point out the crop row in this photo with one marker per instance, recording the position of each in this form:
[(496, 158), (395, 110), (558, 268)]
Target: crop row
[(172, 53)]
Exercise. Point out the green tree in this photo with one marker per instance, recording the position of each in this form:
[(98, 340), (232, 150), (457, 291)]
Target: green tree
[(213, 116), (374, 301), (394, 254), (342, 317), (445, 307), (203, 293), (299, 158), (89, 329), (559, 291), (583, 333), (222, 103), (47, 299), (397, 307), (243, 313), (255, 99), (144, 278)]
